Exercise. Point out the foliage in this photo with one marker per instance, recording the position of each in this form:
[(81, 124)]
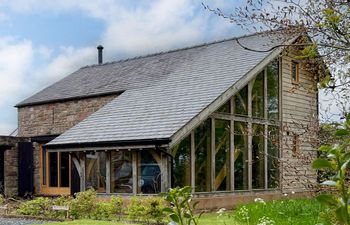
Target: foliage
[(286, 211), (83, 205), (337, 161), (182, 210), (103, 211), (2, 200), (146, 209), (117, 205), (37, 207), (91, 222)]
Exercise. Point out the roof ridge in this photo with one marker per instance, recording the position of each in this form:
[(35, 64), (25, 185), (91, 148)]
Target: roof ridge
[(178, 49)]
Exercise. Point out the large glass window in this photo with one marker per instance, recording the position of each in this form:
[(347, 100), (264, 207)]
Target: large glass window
[(272, 157), (121, 172), (64, 169), (258, 96), (222, 155), (241, 156), (241, 102), (182, 163), (149, 173), (226, 108), (53, 166), (95, 171), (272, 90), (43, 166), (202, 153), (258, 157)]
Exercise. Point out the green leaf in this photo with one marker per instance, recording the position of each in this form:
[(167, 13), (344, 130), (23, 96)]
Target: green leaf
[(327, 200), (325, 148), (169, 210), (321, 163), (175, 218), (345, 164), (341, 214), (342, 132)]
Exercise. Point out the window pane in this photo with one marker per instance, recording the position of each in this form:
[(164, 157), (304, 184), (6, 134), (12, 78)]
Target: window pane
[(272, 157), (96, 171), (258, 157), (225, 108), (241, 102), (258, 96), (241, 156), (149, 179), (202, 152), (182, 163), (121, 172), (43, 165), (53, 169), (272, 90), (222, 155), (295, 72), (64, 167)]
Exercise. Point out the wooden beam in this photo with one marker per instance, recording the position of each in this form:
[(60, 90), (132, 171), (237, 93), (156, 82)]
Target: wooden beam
[(82, 168), (204, 114), (108, 172), (134, 172)]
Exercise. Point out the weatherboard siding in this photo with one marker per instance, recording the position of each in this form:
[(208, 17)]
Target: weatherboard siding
[(299, 117)]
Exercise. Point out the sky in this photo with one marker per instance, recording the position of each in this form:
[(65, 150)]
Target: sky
[(42, 41)]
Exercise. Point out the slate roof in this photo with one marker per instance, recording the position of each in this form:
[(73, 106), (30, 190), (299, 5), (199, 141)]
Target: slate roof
[(163, 91)]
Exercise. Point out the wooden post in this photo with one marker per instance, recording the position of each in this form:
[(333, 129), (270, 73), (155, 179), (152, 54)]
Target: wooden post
[(193, 162), (82, 168), (164, 173), (108, 172), (134, 172)]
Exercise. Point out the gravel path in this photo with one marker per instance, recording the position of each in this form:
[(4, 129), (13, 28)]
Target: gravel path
[(17, 221)]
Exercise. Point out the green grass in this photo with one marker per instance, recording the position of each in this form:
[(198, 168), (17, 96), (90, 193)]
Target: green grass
[(286, 212)]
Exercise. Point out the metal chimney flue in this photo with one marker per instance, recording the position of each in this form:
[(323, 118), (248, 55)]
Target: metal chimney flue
[(100, 55)]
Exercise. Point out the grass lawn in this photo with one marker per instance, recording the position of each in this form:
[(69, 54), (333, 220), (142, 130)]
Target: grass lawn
[(286, 212)]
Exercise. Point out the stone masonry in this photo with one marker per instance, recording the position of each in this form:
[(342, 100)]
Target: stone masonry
[(10, 146), (54, 119)]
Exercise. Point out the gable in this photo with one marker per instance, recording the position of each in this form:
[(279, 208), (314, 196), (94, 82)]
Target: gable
[(204, 78)]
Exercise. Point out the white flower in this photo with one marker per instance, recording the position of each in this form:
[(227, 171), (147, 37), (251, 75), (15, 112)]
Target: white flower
[(285, 194), (259, 200), (266, 221)]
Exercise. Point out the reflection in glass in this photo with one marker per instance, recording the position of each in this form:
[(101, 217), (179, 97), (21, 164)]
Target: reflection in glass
[(95, 171), (202, 152), (272, 90), (149, 174), (121, 172), (258, 157), (241, 102), (241, 156), (182, 163), (222, 154), (272, 157), (64, 167), (53, 161), (225, 108), (258, 96)]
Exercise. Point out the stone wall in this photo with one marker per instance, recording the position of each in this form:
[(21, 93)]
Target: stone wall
[(10, 147), (299, 126), (56, 118)]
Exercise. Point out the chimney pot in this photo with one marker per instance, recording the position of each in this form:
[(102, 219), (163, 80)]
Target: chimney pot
[(100, 55)]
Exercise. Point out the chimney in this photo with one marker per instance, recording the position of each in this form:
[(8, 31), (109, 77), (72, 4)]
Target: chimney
[(100, 48)]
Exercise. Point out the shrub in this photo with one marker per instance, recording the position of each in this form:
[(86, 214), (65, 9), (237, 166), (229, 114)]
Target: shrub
[(117, 204), (84, 205), (154, 209), (36, 207), (103, 211), (2, 200), (136, 209)]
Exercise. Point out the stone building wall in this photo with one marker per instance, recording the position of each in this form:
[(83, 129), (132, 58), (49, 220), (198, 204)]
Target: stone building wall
[(10, 147), (56, 118), (300, 127)]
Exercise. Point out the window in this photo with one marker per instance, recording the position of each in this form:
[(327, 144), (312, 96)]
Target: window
[(272, 157), (295, 72), (241, 102), (222, 155), (95, 171), (182, 163), (226, 108), (296, 144), (241, 156), (202, 140), (149, 173), (258, 157), (272, 72), (258, 96), (121, 172)]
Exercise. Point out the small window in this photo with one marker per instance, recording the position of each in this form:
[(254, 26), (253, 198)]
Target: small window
[(295, 72), (296, 144)]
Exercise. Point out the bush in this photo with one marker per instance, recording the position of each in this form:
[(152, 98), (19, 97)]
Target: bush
[(103, 211), (136, 209), (2, 200), (117, 204), (84, 205), (36, 207)]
